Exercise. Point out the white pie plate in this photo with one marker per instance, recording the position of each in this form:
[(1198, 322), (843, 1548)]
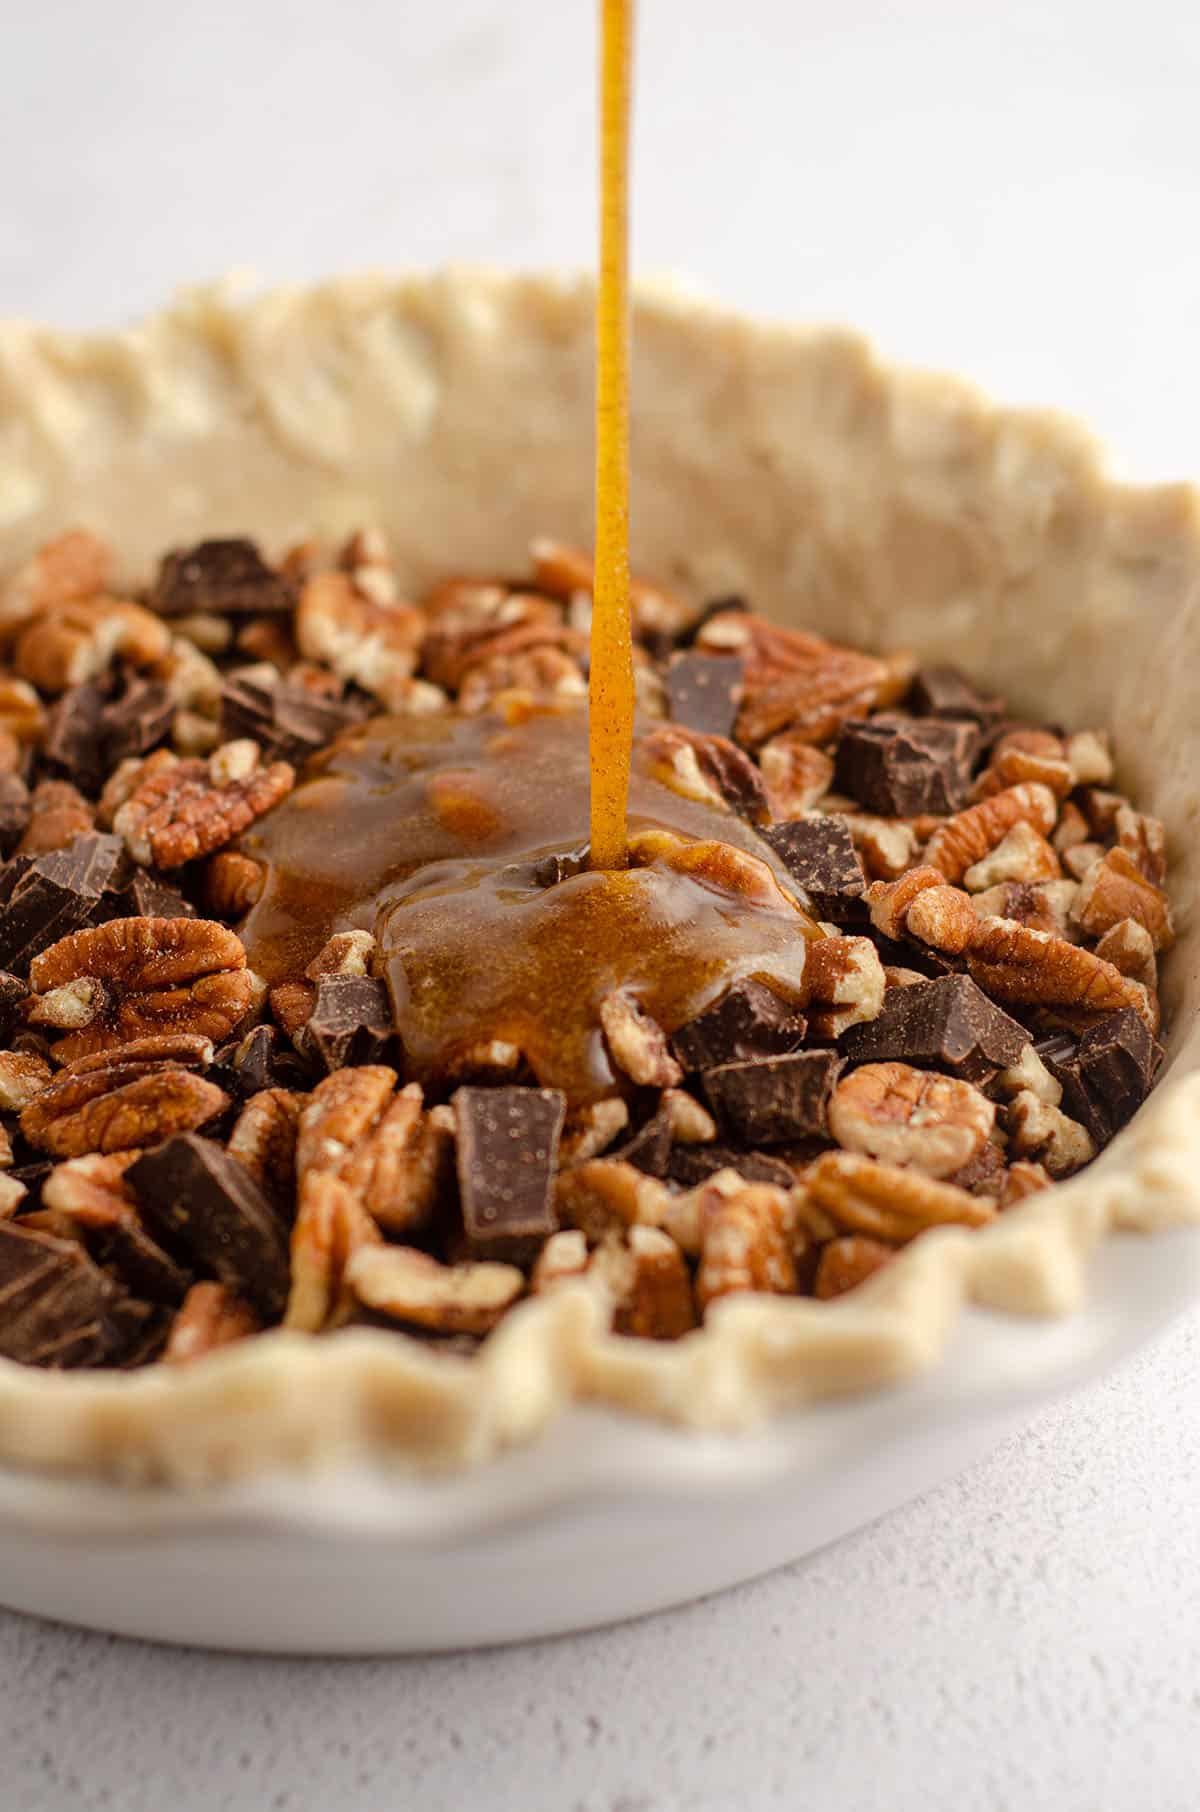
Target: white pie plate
[(606, 1517)]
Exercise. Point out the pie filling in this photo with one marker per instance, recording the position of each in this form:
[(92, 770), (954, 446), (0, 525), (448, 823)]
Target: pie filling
[(316, 1013)]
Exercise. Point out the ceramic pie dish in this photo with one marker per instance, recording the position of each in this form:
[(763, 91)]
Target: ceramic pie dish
[(880, 507)]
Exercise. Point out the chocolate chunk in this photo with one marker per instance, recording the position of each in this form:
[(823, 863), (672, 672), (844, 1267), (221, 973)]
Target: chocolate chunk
[(507, 1150), (143, 896), (228, 576), (947, 692), (749, 1020), (143, 1327), (351, 1021), (140, 1262), (56, 894), (200, 1201), (705, 690), (14, 811), (984, 1173), (134, 723), (12, 992), (650, 1147), (692, 1164), (1059, 1051), (254, 1060), (903, 766), (948, 1024), (819, 853), (56, 1304), (73, 742), (1107, 1076), (774, 1099), (289, 722)]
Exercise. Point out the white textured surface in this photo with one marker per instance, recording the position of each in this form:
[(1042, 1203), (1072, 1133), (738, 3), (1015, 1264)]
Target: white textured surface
[(1013, 194)]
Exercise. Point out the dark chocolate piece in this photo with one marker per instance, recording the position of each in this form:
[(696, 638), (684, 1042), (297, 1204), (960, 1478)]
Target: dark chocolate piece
[(819, 853), (199, 1200), (140, 1262), (507, 1151), (12, 992), (229, 577), (947, 692), (1059, 1051), (56, 1305), (948, 1024), (56, 894), (649, 1149), (772, 1100), (1107, 1076), (351, 1021), (984, 1173), (749, 1020), (289, 722), (692, 1164), (254, 1060), (73, 742), (143, 896), (134, 723), (903, 766), (705, 690), (14, 811)]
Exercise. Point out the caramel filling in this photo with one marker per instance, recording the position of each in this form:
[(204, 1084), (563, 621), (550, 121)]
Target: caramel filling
[(446, 836)]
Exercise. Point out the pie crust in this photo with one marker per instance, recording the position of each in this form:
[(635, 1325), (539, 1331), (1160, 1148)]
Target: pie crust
[(882, 507)]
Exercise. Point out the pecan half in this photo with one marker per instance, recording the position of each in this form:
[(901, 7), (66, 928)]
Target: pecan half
[(210, 1316), (799, 682), (891, 1111), (885, 1202), (1034, 968), (136, 977), (409, 1286), (331, 1227), (188, 808), (117, 1099), (385, 1148), (745, 1244), (846, 1262), (968, 836)]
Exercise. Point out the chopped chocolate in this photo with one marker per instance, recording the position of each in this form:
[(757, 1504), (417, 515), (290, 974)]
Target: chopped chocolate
[(692, 1164), (144, 896), (1107, 1076), (290, 722), (73, 742), (134, 723), (772, 1100), (749, 1020), (351, 1021), (140, 1262), (507, 1151), (705, 690), (55, 894), (143, 1327), (229, 577), (819, 853), (202, 1202), (12, 992), (255, 1060), (56, 1305), (1059, 1051), (650, 1147), (901, 767), (948, 1024), (947, 692), (14, 811)]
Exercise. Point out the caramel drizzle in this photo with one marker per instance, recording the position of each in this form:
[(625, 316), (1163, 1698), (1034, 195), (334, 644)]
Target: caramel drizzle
[(610, 684)]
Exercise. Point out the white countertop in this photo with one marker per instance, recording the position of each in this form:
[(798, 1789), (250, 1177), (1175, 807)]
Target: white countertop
[(1012, 194)]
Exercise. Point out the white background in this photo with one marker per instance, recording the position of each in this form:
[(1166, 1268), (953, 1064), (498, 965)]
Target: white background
[(1007, 189)]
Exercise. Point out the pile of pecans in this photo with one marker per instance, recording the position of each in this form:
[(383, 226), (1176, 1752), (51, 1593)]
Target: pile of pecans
[(188, 1157)]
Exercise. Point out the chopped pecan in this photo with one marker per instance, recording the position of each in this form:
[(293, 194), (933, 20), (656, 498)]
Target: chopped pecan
[(846, 1262), (887, 847), (126, 777), (340, 1110), (605, 1195), (745, 1244), (367, 557), (591, 1130), (707, 768), (649, 1284), (799, 682), (1034, 968), (332, 1226), (563, 1257), (397, 1169), (291, 1004), (1024, 755), (522, 623), (136, 977), (843, 984), (968, 836), (1090, 755), (1030, 1074), (409, 1286), (75, 565), (721, 866), (1023, 1179), (1041, 1130), (1114, 889), (562, 572), (1022, 855), (1144, 841), (346, 953), (22, 715), (795, 773), (192, 681), (690, 1122), (190, 808), (539, 672), (22, 1076), (915, 1118), (12, 1193), (1072, 828), (264, 1140), (637, 1044), (60, 813), (210, 1316), (1081, 858), (1128, 946), (1042, 905), (233, 883), (885, 1202), (373, 645), (70, 643), (135, 1095)]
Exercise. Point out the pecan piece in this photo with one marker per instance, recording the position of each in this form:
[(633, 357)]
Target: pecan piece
[(1022, 855), (1023, 1179), (73, 566), (373, 645), (23, 1075), (601, 1196), (1034, 968), (710, 769), (915, 1118), (799, 682), (1041, 1130), (564, 572), (563, 1258), (637, 1043), (68, 644), (1129, 947), (59, 814), (210, 1316), (530, 673), (649, 1283), (846, 1262), (331, 1227), (409, 1286), (1144, 841), (795, 773), (130, 978), (843, 984), (390, 1152), (885, 1202), (1028, 754), (233, 883), (264, 1140), (968, 836), (118, 1099), (1114, 889), (189, 808), (745, 1244)]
